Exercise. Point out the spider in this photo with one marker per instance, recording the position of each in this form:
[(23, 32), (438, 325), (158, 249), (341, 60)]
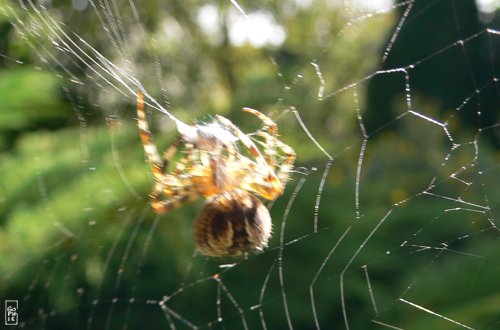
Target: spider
[(233, 220)]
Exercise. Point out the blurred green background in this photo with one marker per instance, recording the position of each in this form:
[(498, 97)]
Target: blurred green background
[(80, 248)]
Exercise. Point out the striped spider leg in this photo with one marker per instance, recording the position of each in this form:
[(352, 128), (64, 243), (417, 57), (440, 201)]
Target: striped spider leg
[(176, 188)]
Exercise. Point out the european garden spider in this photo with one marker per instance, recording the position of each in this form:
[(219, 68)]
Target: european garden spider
[(233, 221)]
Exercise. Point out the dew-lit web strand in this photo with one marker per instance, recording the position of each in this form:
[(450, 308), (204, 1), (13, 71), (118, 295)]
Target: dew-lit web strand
[(325, 171), (361, 155), (371, 14), (475, 93), (457, 43), (167, 311), (401, 22), (387, 325), (329, 162), (492, 60), (232, 300), (322, 82), (434, 313), (490, 218), (349, 263), (466, 166), (282, 245), (370, 289), (166, 298), (169, 320), (261, 296), (218, 302), (220, 288), (421, 229), (433, 184), (443, 247), (412, 283), (458, 200), (320, 269), (467, 60), (240, 9)]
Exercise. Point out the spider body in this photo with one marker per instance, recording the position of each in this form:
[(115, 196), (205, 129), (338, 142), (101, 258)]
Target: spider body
[(224, 165)]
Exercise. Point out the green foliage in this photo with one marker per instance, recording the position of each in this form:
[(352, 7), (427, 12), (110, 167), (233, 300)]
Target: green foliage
[(39, 208), (30, 100)]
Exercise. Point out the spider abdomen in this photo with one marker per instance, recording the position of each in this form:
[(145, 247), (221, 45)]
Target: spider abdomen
[(232, 223)]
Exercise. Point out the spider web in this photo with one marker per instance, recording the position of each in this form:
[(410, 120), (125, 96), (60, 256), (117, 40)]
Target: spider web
[(390, 219)]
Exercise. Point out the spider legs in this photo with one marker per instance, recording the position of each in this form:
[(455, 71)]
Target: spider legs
[(171, 191), (247, 142), (158, 165), (267, 184), (175, 198), (176, 191), (146, 138), (269, 124), (272, 129), (272, 143), (289, 154)]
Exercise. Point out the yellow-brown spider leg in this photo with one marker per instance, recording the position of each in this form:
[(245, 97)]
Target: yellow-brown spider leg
[(147, 139), (175, 195), (272, 129), (176, 189), (175, 198), (247, 142), (271, 126), (272, 143), (265, 182), (287, 165), (158, 166), (186, 160)]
